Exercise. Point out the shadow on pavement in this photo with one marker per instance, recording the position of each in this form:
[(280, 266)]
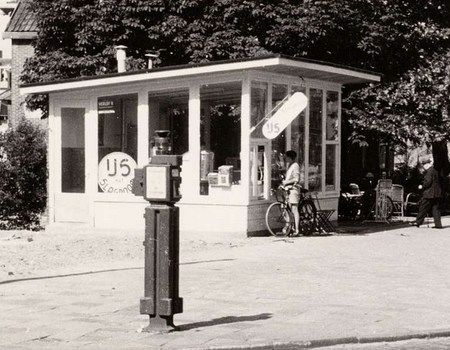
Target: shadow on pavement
[(99, 271), (366, 227), (68, 275), (224, 320)]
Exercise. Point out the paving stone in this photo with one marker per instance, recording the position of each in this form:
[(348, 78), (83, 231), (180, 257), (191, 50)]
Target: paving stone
[(383, 284)]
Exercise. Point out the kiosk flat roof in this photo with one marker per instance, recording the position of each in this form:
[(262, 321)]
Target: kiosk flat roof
[(281, 64)]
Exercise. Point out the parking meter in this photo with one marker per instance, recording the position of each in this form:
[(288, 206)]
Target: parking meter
[(159, 183)]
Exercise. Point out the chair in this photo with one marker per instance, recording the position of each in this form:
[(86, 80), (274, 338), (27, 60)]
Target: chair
[(412, 203), (323, 218), (397, 197)]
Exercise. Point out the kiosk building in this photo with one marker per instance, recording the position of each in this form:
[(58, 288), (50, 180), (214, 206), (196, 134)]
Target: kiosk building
[(102, 127)]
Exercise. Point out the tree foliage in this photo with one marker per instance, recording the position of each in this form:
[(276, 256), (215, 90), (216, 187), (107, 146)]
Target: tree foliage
[(413, 108), (23, 177), (406, 40)]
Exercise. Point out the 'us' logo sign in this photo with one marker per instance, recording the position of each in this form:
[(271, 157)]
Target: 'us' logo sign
[(285, 115)]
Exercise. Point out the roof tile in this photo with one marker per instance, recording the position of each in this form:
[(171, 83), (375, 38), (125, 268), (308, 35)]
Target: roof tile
[(22, 19)]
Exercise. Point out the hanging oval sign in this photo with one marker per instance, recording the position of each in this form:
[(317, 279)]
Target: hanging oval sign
[(285, 115), (116, 173)]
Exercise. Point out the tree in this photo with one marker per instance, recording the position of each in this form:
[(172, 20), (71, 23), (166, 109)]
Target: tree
[(413, 108), (23, 177), (394, 37)]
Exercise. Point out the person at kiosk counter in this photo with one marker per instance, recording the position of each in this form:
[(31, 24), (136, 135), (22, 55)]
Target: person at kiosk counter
[(292, 180)]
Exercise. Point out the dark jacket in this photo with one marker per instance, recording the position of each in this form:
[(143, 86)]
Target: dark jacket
[(431, 188)]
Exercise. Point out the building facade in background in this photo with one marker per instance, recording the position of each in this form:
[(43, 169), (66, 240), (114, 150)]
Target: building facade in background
[(21, 30)]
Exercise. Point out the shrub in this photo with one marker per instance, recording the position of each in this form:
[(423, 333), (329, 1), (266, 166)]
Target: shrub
[(23, 177)]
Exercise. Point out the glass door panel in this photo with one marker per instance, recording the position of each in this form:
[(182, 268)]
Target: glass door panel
[(72, 150), (71, 203), (259, 172)]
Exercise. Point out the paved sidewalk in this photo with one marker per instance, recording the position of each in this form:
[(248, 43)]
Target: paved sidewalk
[(277, 294)]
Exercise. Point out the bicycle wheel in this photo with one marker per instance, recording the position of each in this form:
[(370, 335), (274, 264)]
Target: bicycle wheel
[(308, 216), (279, 219), (389, 209)]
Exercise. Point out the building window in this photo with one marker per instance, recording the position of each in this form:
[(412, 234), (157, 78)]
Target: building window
[(331, 139), (72, 150), (298, 136), (332, 115), (315, 140), (259, 107), (279, 93), (168, 110), (117, 142), (220, 130), (330, 173)]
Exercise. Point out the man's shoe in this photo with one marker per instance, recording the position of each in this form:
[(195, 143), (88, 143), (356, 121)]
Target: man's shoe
[(413, 223), (437, 227)]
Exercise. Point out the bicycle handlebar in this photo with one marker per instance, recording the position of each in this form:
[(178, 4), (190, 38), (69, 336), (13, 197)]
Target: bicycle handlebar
[(289, 187)]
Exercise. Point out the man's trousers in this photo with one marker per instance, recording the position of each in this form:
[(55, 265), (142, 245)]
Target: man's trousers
[(425, 206)]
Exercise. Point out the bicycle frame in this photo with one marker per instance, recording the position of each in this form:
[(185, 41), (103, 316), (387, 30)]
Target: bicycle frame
[(281, 195)]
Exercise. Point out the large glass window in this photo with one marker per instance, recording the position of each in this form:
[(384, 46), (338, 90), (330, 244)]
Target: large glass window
[(258, 163), (332, 139), (117, 142), (330, 173), (279, 93), (72, 150), (259, 107), (169, 110), (220, 130), (298, 136), (332, 115), (315, 140)]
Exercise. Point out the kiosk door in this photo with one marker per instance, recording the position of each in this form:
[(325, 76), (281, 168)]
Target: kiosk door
[(71, 203)]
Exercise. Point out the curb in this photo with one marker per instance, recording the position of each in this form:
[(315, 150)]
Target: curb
[(319, 343)]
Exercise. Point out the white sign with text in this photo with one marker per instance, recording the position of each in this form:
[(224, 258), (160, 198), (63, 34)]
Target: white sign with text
[(116, 173), (285, 115)]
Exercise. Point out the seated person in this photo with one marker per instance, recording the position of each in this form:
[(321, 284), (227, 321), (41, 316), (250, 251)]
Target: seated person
[(369, 197)]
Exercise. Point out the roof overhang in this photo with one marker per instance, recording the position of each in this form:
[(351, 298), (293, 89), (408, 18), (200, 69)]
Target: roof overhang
[(304, 68)]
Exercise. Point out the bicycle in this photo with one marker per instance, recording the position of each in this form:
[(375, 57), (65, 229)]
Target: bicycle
[(381, 208), (280, 219)]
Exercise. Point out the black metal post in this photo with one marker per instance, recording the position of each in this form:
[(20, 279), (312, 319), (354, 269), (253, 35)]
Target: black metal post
[(161, 293)]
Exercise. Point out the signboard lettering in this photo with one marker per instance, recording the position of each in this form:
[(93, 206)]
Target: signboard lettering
[(115, 173), (156, 182), (107, 105), (285, 115)]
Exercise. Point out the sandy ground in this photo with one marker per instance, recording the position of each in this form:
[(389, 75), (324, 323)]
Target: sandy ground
[(25, 254)]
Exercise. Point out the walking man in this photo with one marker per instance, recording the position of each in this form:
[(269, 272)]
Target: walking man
[(431, 194)]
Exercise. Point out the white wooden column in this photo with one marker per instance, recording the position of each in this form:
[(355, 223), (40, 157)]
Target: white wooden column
[(324, 138), (191, 160), (91, 153), (245, 137), (339, 147), (51, 161), (142, 129), (306, 145)]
